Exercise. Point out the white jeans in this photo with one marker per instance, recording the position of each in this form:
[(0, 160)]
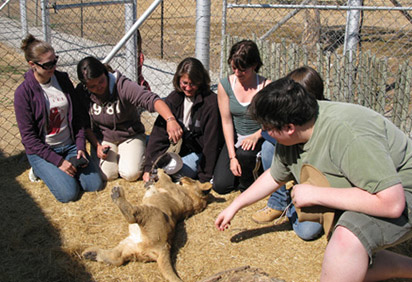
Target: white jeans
[(124, 159)]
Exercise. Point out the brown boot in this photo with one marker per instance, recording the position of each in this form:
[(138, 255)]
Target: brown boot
[(266, 215)]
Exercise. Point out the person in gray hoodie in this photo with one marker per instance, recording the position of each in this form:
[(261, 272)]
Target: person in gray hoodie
[(116, 132)]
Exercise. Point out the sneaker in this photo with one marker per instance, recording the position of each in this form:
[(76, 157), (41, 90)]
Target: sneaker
[(266, 215), (32, 176)]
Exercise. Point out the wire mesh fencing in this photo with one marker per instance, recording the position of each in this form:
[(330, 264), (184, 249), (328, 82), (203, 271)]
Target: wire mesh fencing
[(375, 71), (290, 34)]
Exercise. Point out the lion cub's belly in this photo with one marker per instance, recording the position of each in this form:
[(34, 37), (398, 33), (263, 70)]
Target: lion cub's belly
[(131, 243), (135, 234)]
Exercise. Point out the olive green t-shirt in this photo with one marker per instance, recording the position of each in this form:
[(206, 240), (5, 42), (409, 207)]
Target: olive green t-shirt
[(353, 146)]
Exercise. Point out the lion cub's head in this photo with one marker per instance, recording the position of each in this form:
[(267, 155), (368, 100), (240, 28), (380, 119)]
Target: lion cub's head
[(197, 191)]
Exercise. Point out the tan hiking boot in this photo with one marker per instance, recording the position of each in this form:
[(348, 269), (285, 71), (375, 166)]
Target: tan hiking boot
[(266, 215)]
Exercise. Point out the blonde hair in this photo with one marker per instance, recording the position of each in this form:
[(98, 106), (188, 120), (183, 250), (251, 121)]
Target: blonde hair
[(33, 48)]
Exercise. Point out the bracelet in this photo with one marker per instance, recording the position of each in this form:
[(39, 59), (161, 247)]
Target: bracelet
[(231, 158), (170, 118)]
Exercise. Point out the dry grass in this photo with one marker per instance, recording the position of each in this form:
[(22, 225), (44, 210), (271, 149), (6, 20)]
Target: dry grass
[(42, 239)]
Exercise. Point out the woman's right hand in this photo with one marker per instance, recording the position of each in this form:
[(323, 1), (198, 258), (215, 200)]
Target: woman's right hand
[(174, 130), (100, 151), (146, 176), (222, 221), (68, 168), (235, 167)]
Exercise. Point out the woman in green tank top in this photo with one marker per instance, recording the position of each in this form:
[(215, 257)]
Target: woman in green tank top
[(243, 139)]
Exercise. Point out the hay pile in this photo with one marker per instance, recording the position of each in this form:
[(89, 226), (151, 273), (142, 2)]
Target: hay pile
[(42, 239)]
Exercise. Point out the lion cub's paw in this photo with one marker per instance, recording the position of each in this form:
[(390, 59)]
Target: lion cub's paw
[(90, 255), (117, 192)]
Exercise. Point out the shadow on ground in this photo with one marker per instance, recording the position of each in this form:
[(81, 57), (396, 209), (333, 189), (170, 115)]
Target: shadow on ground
[(30, 246)]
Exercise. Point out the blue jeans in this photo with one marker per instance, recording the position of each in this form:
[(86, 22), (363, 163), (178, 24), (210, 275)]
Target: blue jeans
[(64, 187), (280, 199), (190, 164)]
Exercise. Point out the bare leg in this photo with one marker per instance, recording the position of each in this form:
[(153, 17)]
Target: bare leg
[(388, 265), (345, 258)]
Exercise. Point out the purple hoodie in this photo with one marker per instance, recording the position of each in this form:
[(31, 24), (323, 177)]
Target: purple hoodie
[(32, 118)]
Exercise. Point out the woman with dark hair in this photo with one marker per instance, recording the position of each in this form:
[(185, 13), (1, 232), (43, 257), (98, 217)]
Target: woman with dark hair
[(312, 82), (237, 160), (195, 107), (113, 103), (47, 114)]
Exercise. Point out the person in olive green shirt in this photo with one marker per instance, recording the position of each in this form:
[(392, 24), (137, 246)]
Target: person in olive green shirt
[(368, 163)]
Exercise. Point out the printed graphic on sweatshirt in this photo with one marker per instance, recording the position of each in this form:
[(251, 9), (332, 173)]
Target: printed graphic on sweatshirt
[(57, 131), (107, 109)]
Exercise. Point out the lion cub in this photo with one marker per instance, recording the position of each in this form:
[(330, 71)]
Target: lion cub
[(152, 223)]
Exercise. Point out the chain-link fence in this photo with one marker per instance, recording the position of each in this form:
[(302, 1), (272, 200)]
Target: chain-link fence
[(77, 28)]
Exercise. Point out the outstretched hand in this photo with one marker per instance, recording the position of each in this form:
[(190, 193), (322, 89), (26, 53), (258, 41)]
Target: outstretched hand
[(222, 221)]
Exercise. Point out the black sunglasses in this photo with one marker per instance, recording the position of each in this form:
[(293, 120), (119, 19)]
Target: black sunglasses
[(48, 65)]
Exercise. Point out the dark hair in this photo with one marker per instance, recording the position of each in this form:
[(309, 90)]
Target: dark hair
[(90, 68), (282, 102), (245, 54), (196, 72), (33, 48), (310, 80)]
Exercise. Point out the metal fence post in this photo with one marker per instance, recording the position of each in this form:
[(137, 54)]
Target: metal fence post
[(45, 19), (132, 31), (131, 44), (352, 26), (202, 45), (23, 18), (351, 41), (223, 40)]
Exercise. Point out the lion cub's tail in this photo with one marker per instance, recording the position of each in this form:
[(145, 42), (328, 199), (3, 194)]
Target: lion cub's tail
[(165, 265)]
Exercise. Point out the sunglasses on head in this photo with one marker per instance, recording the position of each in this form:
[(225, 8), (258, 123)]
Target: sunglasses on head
[(48, 65)]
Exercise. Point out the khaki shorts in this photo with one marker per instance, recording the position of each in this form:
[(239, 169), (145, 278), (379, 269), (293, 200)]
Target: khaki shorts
[(377, 233)]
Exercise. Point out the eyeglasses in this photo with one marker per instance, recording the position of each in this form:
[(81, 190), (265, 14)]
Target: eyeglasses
[(186, 84), (48, 65)]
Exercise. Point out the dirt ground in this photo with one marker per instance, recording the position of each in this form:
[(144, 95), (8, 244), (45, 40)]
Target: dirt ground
[(42, 239)]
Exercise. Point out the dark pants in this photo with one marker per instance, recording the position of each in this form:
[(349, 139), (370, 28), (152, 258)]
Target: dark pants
[(223, 179)]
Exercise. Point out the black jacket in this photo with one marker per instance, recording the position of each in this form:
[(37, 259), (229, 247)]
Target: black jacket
[(204, 135)]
